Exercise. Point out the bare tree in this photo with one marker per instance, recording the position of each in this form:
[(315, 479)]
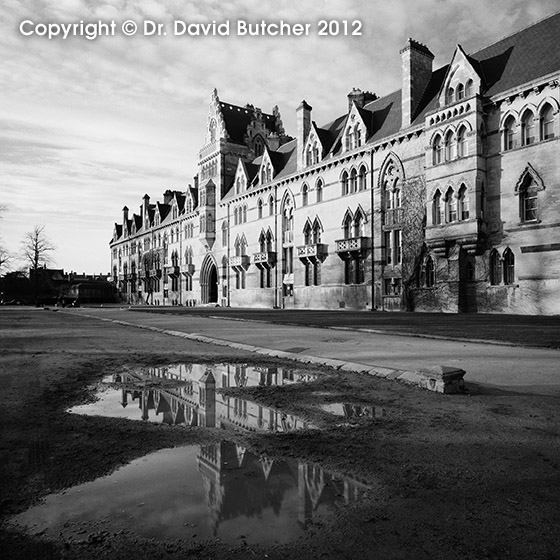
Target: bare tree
[(37, 247), (5, 256)]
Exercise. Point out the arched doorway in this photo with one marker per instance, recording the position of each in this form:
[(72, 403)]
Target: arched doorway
[(209, 281)]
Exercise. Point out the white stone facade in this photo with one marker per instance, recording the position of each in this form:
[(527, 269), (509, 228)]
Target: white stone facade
[(442, 196)]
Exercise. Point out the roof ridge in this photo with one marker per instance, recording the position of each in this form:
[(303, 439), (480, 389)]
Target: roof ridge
[(550, 16), (244, 108)]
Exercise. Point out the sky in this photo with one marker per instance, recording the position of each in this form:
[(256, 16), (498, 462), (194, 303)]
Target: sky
[(88, 126)]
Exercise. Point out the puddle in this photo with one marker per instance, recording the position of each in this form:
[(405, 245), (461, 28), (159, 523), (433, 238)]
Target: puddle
[(350, 411), (187, 395), (197, 492)]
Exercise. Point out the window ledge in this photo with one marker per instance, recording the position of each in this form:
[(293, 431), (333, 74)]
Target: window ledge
[(529, 223)]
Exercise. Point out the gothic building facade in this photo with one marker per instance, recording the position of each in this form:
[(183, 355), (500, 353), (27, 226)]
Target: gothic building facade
[(441, 196)]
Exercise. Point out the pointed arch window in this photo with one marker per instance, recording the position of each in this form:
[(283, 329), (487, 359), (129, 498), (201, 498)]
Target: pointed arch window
[(359, 221), (460, 92), (224, 233), (528, 200), (235, 216), (469, 88), (344, 182), (260, 208), (315, 153), (347, 225), (270, 205), (304, 195), (362, 178), (258, 146), (357, 136), (462, 142), (430, 272), (528, 128), (450, 206), (495, 268), (437, 150), (319, 190), (307, 234), (509, 133), (449, 96), (244, 214), (509, 266), (463, 203), (437, 209), (449, 146), (353, 181), (547, 122)]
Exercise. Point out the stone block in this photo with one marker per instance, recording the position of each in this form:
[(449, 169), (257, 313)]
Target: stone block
[(442, 379)]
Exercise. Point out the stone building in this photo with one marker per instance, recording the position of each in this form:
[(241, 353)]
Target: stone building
[(441, 196)]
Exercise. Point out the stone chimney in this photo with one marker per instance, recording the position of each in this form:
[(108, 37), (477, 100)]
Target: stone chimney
[(360, 98), (124, 215), (416, 61), (145, 216), (167, 196), (303, 115)]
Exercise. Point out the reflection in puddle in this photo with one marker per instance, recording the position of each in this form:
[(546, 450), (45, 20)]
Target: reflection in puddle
[(220, 490), (350, 411), (186, 394)]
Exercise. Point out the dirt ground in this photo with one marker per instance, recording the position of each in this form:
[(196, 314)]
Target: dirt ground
[(470, 476)]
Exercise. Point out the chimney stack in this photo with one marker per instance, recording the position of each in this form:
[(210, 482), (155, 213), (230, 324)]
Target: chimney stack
[(303, 114), (416, 60), (360, 98)]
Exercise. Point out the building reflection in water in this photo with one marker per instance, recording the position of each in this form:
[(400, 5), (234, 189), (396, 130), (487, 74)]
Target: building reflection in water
[(221, 490), (238, 483), (187, 395)]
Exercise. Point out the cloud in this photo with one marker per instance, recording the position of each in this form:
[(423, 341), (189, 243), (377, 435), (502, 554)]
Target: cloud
[(89, 126)]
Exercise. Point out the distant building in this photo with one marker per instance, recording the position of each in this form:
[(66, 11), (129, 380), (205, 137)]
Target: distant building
[(441, 196)]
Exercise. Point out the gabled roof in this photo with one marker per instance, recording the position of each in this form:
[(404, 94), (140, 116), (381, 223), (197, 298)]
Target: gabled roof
[(137, 221), (522, 57), (164, 210), (237, 119), (285, 159), (180, 198)]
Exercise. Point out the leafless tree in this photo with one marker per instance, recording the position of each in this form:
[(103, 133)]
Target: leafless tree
[(36, 248), (5, 256)]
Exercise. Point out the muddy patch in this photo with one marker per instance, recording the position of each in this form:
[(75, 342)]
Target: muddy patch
[(219, 491)]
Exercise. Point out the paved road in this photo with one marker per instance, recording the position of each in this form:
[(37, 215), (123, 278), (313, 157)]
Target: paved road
[(525, 370)]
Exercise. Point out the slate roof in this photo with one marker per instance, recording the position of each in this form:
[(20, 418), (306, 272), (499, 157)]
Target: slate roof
[(522, 57), (237, 119)]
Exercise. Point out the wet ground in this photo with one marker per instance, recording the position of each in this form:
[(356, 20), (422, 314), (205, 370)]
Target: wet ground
[(228, 457)]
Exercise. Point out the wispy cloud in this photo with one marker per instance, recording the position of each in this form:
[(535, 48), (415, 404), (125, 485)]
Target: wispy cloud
[(89, 126)]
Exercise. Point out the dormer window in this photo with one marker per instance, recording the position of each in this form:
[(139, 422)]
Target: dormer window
[(258, 146), (449, 96)]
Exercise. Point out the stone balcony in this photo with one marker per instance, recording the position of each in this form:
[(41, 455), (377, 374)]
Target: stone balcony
[(313, 251), (187, 269), (240, 261), (264, 258), (173, 271), (352, 244)]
